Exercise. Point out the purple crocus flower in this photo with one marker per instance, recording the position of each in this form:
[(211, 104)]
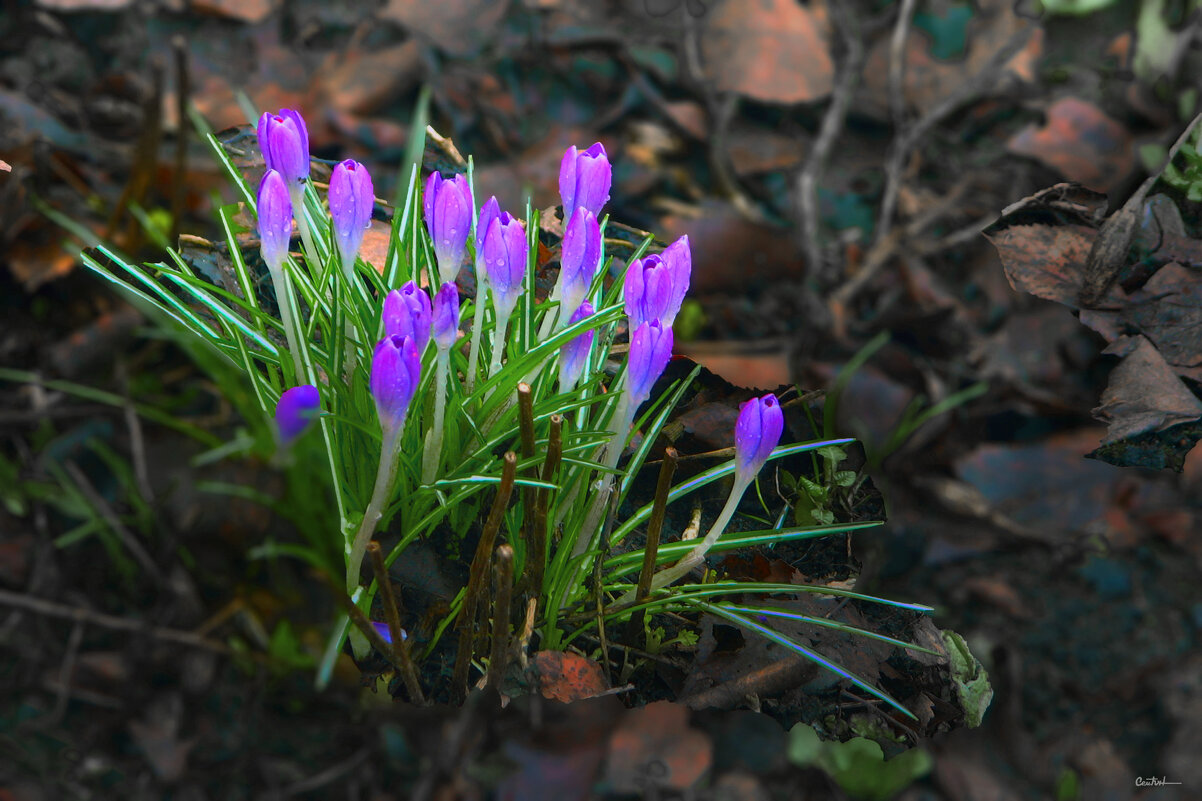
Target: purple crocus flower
[(448, 211), (489, 212), (650, 350), (386, 635), (351, 199), (505, 252), (395, 373), (407, 313), (757, 431), (656, 285), (584, 179), (297, 408), (574, 355), (284, 141), (578, 264), (446, 316), (275, 219)]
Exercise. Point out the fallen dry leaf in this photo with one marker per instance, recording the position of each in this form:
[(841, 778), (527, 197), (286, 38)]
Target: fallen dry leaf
[(1046, 261), (1046, 485), (759, 149), (251, 11), (157, 736), (459, 27), (33, 265), (1078, 140), (727, 248), (374, 250), (84, 5), (1167, 309), (566, 677), (774, 51), (254, 60), (655, 747), (360, 81), (549, 774), (1145, 395), (747, 365), (929, 81)]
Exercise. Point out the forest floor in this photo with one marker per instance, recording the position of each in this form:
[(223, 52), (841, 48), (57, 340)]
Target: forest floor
[(834, 186)]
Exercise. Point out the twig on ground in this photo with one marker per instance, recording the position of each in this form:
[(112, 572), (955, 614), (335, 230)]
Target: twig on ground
[(123, 533), (51, 609), (905, 141), (774, 677), (503, 584), (885, 249), (897, 64), (327, 776), (137, 442), (392, 614), (634, 632), (473, 593), (832, 125)]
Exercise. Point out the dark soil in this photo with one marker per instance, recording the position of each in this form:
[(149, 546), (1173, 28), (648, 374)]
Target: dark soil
[(148, 670)]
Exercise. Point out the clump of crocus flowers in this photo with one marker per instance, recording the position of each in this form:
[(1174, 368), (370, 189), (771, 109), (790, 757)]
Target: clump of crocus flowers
[(418, 313)]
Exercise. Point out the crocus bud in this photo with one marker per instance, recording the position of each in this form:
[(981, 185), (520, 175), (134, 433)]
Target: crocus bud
[(506, 252), (297, 408), (656, 284), (285, 144), (395, 373), (578, 264), (448, 211), (351, 200), (574, 355), (489, 212), (446, 316), (584, 179), (275, 219), (407, 314), (757, 432), (650, 349)]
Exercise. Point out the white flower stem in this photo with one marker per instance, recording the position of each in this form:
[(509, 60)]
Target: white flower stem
[(473, 360), (350, 342), (297, 193), (498, 342), (283, 295), (621, 422), (433, 452), (380, 496), (696, 557), (552, 320), (587, 536)]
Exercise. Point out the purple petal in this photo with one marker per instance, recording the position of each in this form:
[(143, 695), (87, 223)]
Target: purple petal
[(505, 253), (284, 141), (650, 350), (584, 179), (275, 219), (757, 432), (574, 355), (296, 409), (446, 315), (351, 199), (448, 211), (407, 313), (581, 254), (395, 372)]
